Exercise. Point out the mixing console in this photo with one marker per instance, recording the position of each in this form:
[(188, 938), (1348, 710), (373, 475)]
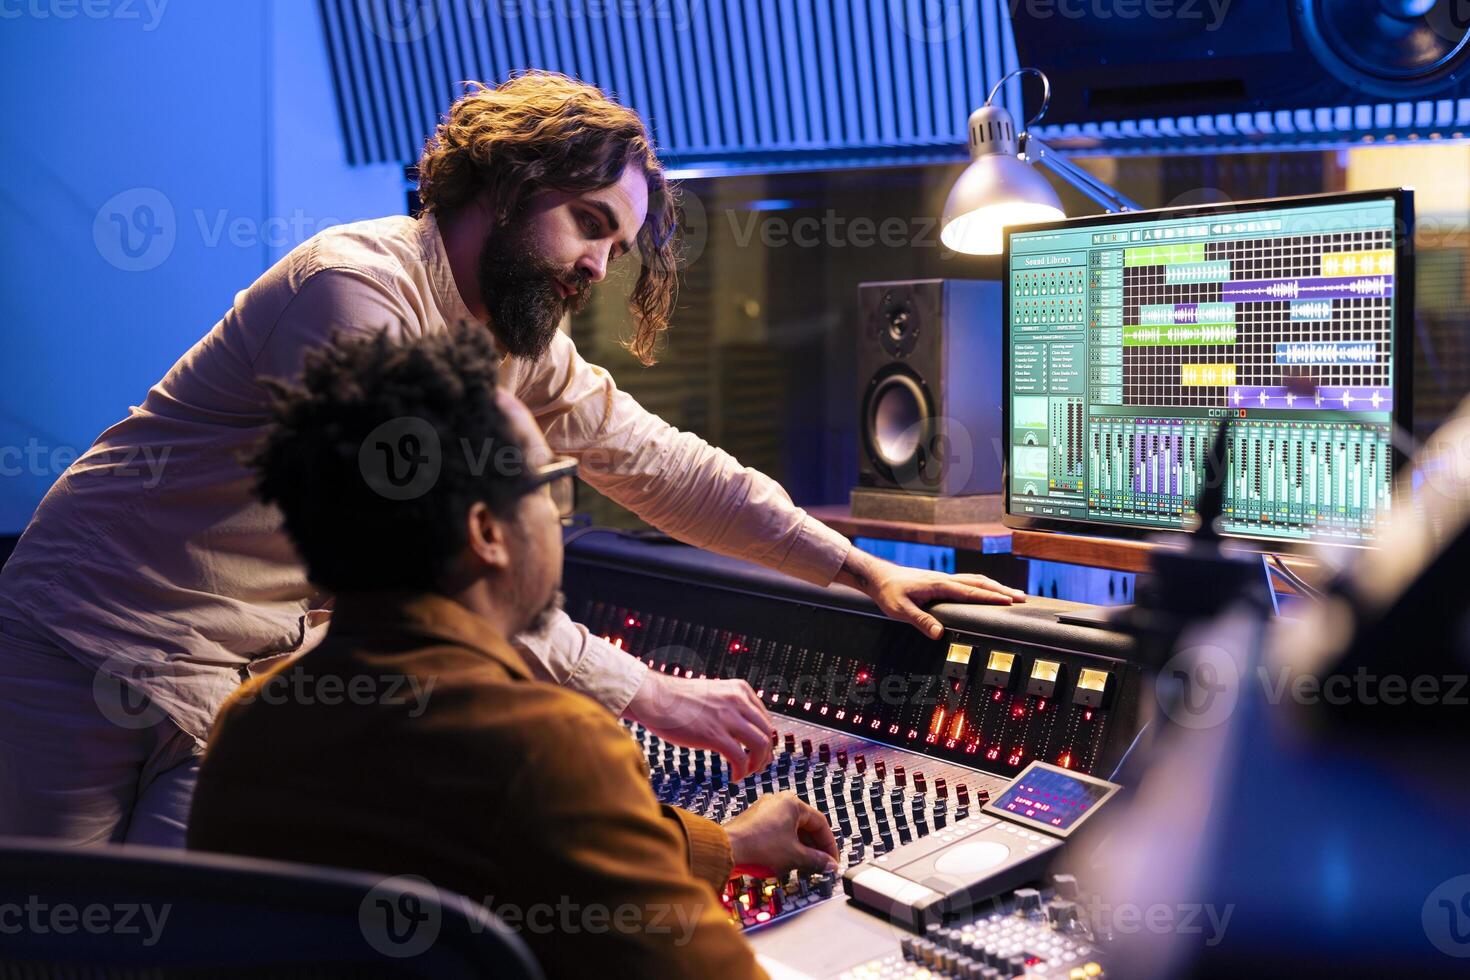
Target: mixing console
[(895, 738), (971, 700), (875, 798)]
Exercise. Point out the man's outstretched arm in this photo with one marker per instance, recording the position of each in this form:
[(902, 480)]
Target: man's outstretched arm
[(700, 494)]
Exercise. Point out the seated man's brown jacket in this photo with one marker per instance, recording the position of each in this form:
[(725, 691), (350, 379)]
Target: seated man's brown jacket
[(414, 741)]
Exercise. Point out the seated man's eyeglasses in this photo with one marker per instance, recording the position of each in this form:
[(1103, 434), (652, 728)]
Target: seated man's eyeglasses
[(560, 475)]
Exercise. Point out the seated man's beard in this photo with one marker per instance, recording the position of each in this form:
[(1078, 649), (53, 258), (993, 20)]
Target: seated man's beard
[(520, 294)]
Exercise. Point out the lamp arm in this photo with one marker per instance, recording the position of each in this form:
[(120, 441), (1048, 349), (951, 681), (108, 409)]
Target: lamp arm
[(1110, 200)]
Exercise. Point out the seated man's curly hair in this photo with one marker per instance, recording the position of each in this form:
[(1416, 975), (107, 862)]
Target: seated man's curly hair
[(543, 130), (337, 429)]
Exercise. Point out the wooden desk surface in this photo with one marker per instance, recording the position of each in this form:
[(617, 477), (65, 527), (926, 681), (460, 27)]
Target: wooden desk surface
[(1073, 549), (989, 539)]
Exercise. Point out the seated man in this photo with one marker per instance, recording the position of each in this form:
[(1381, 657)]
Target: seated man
[(413, 740)]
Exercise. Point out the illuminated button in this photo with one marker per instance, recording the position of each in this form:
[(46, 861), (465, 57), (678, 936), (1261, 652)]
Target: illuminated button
[(1092, 970)]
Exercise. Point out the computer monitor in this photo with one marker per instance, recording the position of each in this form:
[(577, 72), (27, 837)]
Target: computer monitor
[(1130, 337)]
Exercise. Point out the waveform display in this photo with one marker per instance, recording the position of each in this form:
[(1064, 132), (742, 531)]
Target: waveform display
[(1164, 254), (1190, 272), (1206, 375), (1179, 313), (1318, 287), (1311, 310), (1376, 262), (1351, 398), (1351, 352), (1141, 336), (1287, 478)]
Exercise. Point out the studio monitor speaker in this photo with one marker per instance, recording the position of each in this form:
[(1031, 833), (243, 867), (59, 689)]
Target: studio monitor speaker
[(1111, 61), (929, 386)]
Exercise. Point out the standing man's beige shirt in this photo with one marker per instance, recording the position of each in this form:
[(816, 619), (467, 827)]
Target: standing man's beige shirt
[(152, 560)]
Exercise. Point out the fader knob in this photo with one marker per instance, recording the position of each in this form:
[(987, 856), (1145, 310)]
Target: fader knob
[(1028, 902), (806, 747), (880, 770), (841, 758), (920, 783), (900, 778), (862, 764), (824, 753), (790, 742), (1061, 913), (962, 794), (941, 790)]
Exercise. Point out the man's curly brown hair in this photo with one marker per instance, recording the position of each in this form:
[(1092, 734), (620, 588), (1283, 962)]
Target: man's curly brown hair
[(543, 130)]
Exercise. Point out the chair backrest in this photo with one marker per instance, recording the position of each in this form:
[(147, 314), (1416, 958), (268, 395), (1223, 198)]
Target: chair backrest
[(121, 912)]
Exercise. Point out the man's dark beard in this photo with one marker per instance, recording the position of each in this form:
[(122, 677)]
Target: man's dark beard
[(520, 293)]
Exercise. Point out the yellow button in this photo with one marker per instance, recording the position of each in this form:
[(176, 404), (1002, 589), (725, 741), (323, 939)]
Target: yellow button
[(1092, 969)]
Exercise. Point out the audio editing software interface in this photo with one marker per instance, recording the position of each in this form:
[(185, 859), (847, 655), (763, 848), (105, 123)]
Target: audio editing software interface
[(1130, 341)]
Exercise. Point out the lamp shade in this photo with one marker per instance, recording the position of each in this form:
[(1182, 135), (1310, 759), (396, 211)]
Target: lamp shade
[(996, 190)]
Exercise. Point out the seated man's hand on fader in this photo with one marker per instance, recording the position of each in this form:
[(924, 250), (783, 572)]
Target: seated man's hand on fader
[(900, 592), (779, 833), (724, 716)]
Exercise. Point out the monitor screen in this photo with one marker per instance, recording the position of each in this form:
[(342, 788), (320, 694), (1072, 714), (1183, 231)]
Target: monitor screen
[(1051, 798), (1130, 337)]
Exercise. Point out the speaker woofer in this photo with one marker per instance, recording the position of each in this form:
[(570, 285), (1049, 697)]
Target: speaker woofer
[(1390, 48), (897, 419), (898, 429)]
